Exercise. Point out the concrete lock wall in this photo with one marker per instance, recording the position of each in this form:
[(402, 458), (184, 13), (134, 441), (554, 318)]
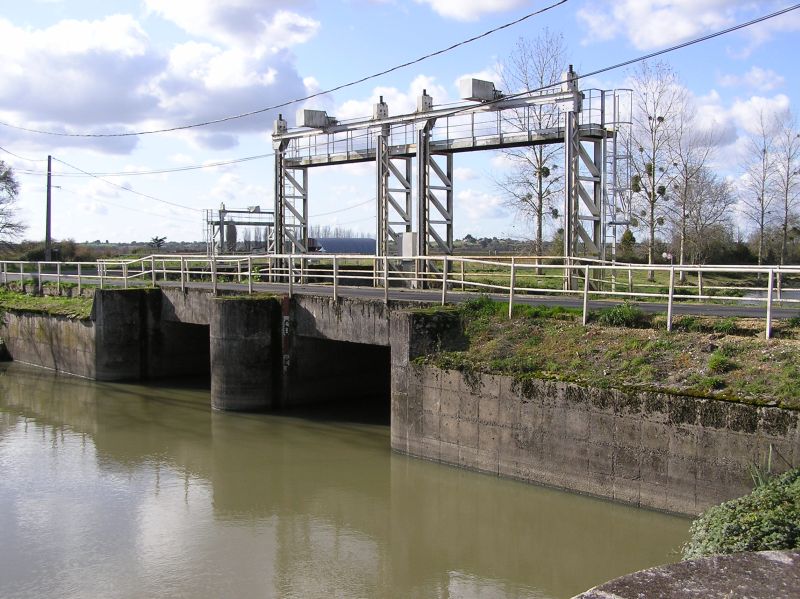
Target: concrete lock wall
[(674, 453), (245, 353)]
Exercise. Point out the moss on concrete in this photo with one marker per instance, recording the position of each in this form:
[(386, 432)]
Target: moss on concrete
[(713, 358), (79, 308)]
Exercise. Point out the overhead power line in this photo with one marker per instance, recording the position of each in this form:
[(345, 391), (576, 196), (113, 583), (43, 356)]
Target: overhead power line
[(22, 157), (309, 97), (144, 195)]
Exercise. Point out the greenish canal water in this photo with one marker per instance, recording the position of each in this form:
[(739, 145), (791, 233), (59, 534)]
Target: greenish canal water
[(120, 491)]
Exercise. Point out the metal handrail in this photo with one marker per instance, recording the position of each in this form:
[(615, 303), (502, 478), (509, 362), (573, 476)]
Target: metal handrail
[(510, 276)]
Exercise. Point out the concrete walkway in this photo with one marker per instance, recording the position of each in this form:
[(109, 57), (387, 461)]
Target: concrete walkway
[(763, 575)]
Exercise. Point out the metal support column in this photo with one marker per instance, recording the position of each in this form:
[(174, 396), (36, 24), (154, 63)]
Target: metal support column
[(393, 196), (435, 197), (291, 206)]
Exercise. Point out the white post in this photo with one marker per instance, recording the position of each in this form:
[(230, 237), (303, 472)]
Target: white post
[(152, 270), (100, 272), (586, 295), (291, 276), (58, 278), (630, 280), (249, 274), (125, 274), (462, 272), (512, 282), (213, 275), (335, 279), (671, 293), (238, 271), (183, 274), (444, 280), (700, 283), (416, 275), (778, 282), (39, 276), (770, 280), (80, 283), (385, 280)]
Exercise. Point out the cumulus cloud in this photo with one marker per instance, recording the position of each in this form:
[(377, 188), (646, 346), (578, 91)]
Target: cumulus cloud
[(106, 76), (400, 102), (479, 205), (756, 78), (469, 10), (654, 23), (263, 23)]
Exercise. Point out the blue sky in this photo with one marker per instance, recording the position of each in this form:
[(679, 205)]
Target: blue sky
[(83, 66)]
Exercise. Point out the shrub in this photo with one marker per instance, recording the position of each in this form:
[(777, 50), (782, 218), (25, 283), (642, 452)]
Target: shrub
[(766, 519), (719, 362), (623, 315)]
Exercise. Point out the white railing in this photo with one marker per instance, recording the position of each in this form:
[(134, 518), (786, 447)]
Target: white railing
[(510, 277)]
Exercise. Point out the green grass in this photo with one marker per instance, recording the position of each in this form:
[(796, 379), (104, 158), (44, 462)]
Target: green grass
[(618, 349), (72, 307)]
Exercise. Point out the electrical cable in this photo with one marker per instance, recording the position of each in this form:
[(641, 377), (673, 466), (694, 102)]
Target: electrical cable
[(166, 216), (144, 195), (342, 209), (296, 100), (22, 157)]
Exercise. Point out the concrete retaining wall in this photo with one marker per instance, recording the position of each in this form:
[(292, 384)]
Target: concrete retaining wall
[(674, 453)]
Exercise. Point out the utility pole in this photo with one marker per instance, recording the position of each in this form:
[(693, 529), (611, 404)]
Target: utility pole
[(48, 250)]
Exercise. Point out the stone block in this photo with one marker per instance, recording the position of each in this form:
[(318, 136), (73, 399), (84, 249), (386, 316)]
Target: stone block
[(468, 407), (430, 426), (448, 429), (449, 402), (430, 400), (468, 433), (777, 423), (626, 490), (601, 459), (628, 432), (655, 435), (467, 456), (508, 409), (488, 409), (576, 425), (682, 410), (627, 463), (602, 428), (653, 467), (683, 441), (489, 438), (712, 413)]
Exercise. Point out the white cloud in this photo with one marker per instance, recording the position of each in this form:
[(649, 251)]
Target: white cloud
[(479, 205), (245, 23), (469, 10), (400, 102), (748, 113), (654, 23), (463, 173), (756, 78)]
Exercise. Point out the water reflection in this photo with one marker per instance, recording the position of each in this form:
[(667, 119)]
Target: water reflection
[(129, 491)]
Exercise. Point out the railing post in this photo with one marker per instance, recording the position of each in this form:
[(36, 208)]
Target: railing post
[(152, 270), (770, 280), (444, 280), (671, 294), (699, 283), (214, 275), (125, 273), (38, 275), (22, 276), (512, 283), (630, 280), (291, 275), (778, 284), (100, 273), (417, 282), (80, 282), (249, 274), (462, 271), (58, 278), (335, 279), (386, 280), (183, 274), (238, 271), (586, 295)]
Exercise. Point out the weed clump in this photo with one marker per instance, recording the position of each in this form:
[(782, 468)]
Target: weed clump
[(623, 315)]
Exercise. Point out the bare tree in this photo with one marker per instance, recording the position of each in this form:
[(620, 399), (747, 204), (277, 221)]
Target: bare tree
[(758, 180), (710, 204), (534, 182), (10, 225), (658, 101), (690, 152), (788, 177)]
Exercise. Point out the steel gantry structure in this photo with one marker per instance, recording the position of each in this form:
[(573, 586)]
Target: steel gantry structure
[(593, 126)]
